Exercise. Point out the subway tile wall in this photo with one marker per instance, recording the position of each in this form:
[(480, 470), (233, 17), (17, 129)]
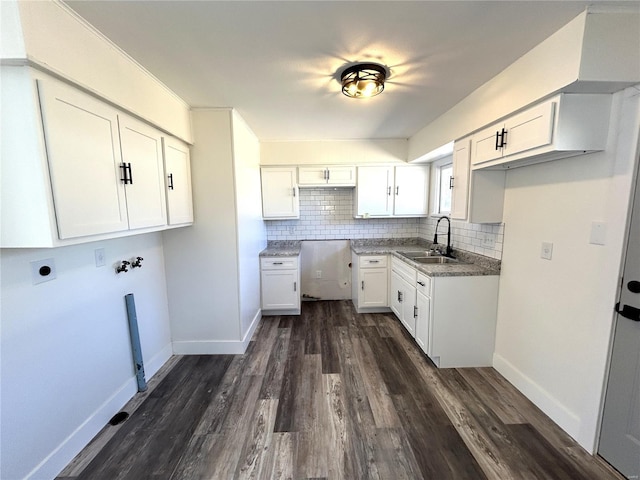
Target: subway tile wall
[(327, 214), (483, 239)]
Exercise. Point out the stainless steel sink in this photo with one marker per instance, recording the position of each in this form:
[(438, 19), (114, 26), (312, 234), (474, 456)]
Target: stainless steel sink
[(435, 260), (419, 254)]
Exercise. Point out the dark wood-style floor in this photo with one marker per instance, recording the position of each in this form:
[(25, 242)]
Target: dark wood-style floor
[(337, 395)]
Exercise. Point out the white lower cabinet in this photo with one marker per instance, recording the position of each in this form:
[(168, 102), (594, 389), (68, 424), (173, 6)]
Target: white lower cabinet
[(403, 294), (280, 282), (370, 285), (453, 319), (423, 311)]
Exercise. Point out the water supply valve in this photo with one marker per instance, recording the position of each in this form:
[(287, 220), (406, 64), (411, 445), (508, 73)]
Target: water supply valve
[(137, 263), (123, 267)]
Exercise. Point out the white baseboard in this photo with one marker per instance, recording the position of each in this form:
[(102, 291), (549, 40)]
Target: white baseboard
[(53, 464), (561, 415), (217, 347)]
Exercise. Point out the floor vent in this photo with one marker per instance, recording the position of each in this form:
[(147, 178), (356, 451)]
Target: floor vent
[(118, 418)]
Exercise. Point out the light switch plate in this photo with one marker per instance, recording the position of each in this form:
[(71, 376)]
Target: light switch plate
[(598, 233), (546, 250), (100, 257)]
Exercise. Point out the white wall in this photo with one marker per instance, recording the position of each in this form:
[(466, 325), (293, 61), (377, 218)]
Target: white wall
[(84, 56), (67, 366), (555, 317), (330, 152), (251, 228), (208, 263)]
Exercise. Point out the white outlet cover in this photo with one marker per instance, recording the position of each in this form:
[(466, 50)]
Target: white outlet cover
[(598, 233), (546, 250), (100, 257), (43, 271)]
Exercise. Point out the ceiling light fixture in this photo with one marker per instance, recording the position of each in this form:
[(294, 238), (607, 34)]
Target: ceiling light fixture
[(363, 80)]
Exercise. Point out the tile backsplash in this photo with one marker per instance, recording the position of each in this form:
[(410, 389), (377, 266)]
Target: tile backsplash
[(327, 214), (484, 239)]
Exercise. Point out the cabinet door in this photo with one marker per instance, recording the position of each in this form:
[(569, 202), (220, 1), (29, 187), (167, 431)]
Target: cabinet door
[(145, 192), (279, 193), (395, 294), (373, 287), (411, 190), (341, 175), (83, 151), (484, 145), (408, 301), (177, 166), (280, 290), (373, 192), (529, 129), (460, 181), (422, 321), (310, 176)]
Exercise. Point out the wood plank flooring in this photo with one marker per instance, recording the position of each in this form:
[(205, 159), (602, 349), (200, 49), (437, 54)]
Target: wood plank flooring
[(332, 394)]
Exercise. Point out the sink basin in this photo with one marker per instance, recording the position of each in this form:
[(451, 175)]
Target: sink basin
[(419, 254), (435, 260)]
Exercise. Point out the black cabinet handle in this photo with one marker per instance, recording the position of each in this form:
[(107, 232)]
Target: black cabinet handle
[(421, 283), (363, 285), (397, 190), (170, 177), (389, 191), (130, 174), (125, 178), (415, 312), (450, 183), (501, 139), (632, 313)]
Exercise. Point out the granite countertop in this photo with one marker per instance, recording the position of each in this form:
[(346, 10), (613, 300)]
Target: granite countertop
[(282, 248), (470, 263)]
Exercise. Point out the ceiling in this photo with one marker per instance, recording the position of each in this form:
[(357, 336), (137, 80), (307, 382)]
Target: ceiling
[(278, 63)]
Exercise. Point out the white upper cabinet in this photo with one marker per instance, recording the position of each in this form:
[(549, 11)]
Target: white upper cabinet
[(411, 191), (563, 126), (392, 191), (374, 196), (85, 163), (321, 176), (177, 163), (279, 193), (459, 183), (143, 168), (75, 168)]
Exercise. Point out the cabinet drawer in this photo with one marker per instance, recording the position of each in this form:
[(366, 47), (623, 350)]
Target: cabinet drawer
[(373, 261), (423, 284), (405, 271), (278, 263)]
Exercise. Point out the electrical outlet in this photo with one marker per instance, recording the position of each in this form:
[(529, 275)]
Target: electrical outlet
[(318, 273), (100, 257), (488, 240), (546, 250), (43, 271)]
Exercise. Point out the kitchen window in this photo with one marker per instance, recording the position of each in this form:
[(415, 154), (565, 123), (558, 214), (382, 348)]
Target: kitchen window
[(442, 173)]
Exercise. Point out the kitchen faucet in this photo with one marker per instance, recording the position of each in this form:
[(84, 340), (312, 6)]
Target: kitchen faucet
[(435, 236)]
